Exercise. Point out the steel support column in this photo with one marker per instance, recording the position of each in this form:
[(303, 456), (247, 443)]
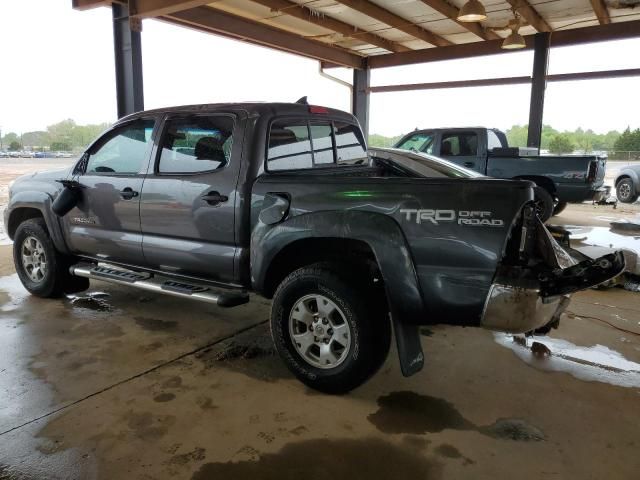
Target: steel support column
[(538, 85), (128, 57), (360, 98)]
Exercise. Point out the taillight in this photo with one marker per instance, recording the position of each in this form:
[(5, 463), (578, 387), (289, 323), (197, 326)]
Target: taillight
[(317, 109), (593, 171)]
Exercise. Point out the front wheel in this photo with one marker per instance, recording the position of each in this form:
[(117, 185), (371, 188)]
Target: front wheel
[(331, 334), (625, 191), (43, 270)]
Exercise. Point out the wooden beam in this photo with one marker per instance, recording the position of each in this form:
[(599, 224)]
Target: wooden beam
[(88, 4), (491, 82), (560, 38), (156, 8), (530, 14), (216, 21), (451, 12), (383, 15), (304, 13), (600, 9)]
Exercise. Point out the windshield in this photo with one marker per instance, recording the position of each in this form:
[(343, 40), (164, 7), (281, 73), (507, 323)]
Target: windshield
[(422, 164)]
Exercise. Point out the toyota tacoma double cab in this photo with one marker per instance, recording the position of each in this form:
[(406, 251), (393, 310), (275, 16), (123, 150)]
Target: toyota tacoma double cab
[(212, 202), (559, 179)]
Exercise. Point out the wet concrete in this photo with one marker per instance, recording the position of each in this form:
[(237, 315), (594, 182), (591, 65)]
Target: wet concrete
[(139, 386)]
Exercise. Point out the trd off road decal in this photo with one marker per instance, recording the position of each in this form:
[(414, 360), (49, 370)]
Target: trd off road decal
[(461, 217)]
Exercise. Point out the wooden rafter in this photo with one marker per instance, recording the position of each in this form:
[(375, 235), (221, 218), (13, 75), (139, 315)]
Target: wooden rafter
[(383, 15), (530, 14), (87, 4), (308, 15), (600, 9), (156, 8), (450, 11), (217, 21)]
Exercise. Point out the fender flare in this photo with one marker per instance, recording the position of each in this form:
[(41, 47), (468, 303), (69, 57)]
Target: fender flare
[(388, 243), (40, 201), (628, 172)]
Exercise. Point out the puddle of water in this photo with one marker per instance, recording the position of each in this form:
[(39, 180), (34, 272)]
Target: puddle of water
[(604, 237), (593, 364), (329, 458), (412, 413)]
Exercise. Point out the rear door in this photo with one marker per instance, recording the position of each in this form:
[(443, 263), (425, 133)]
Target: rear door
[(462, 147), (106, 222), (188, 203)]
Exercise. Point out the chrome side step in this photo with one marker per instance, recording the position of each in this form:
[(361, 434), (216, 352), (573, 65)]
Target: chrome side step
[(146, 281)]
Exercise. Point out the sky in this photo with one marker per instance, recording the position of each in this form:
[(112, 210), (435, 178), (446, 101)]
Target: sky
[(60, 65)]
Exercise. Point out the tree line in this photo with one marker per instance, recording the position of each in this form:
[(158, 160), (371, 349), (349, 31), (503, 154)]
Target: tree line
[(579, 140), (66, 135)]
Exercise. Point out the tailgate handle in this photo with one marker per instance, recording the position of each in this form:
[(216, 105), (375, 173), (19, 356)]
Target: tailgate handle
[(214, 198)]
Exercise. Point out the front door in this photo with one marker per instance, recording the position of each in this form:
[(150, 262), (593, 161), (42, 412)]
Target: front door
[(189, 197), (106, 222)]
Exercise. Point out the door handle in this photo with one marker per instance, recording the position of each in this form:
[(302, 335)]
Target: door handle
[(214, 198), (469, 164), (128, 193)]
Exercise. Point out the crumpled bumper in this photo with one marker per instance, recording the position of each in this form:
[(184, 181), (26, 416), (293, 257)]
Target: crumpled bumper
[(522, 299), (518, 309)]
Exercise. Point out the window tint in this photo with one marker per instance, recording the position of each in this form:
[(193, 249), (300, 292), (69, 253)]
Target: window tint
[(349, 144), (123, 150), (459, 144), (418, 142), (198, 144), (289, 146), (322, 144), (492, 140)]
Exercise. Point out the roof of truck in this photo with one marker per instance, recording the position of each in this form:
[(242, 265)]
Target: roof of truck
[(259, 108)]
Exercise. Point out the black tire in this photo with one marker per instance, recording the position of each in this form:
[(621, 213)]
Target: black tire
[(626, 191), (56, 279), (364, 311), (559, 208), (544, 203)]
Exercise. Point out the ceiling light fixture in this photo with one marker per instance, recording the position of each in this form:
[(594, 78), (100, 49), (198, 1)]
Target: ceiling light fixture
[(514, 40), (472, 11)]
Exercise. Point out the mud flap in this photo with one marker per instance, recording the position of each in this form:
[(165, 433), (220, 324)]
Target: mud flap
[(409, 347)]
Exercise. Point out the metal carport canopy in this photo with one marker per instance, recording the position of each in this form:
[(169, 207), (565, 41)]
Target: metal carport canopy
[(367, 34)]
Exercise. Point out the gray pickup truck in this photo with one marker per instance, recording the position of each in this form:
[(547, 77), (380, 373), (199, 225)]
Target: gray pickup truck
[(559, 179), (211, 202)]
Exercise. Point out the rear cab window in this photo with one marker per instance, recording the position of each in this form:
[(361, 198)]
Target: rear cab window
[(305, 144)]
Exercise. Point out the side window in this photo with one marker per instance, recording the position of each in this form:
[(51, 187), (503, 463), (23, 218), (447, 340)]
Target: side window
[(419, 142), (350, 146), (459, 144), (123, 150), (492, 140), (322, 144), (197, 144), (289, 146)]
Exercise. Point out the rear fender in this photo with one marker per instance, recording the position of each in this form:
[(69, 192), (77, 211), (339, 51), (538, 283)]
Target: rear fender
[(385, 238)]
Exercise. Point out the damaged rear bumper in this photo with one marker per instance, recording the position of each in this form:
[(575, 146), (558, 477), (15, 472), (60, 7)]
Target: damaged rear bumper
[(518, 309), (528, 297)]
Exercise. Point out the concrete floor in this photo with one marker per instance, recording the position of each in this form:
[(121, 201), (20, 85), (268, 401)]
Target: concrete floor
[(131, 385)]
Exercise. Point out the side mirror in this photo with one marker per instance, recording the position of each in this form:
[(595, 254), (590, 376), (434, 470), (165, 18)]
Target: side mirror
[(67, 198)]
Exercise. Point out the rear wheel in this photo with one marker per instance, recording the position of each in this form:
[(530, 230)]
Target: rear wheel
[(331, 333), (625, 191), (559, 208), (43, 270), (543, 203)]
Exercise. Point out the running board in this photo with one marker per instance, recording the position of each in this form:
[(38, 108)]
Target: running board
[(146, 281)]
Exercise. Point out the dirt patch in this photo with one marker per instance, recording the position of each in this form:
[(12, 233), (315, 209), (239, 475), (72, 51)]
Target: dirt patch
[(372, 459), (245, 351), (149, 427), (164, 397), (409, 412)]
